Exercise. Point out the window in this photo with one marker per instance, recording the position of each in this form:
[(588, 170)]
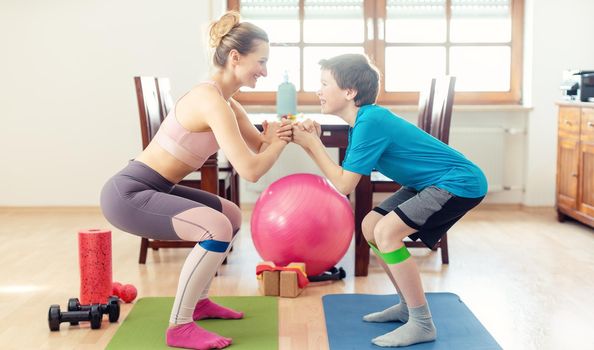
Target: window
[(478, 41)]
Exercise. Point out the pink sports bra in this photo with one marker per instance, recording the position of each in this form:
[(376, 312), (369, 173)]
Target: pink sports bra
[(192, 148)]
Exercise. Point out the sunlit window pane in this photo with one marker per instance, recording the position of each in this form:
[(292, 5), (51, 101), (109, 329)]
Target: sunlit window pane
[(338, 31), (421, 31), (311, 66), (333, 21), (411, 68), (420, 39), (280, 18), (481, 68), (281, 59), (485, 21), (422, 21), (279, 31)]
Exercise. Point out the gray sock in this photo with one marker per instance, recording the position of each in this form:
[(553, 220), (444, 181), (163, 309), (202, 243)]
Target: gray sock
[(418, 329), (398, 312)]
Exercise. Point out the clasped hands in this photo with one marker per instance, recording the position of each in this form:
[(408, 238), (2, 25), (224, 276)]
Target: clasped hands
[(302, 133)]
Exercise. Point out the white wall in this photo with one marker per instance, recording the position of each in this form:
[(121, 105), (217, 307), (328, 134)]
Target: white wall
[(69, 118), (560, 37)]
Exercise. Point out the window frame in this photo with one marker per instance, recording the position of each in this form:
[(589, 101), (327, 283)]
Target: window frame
[(374, 13)]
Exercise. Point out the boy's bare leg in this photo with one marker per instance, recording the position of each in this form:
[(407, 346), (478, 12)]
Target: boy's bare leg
[(398, 312), (389, 233)]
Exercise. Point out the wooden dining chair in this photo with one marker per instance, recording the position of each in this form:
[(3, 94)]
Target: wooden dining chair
[(426, 106), (443, 104), (435, 114), (165, 98), (149, 108), (441, 116), (151, 113)]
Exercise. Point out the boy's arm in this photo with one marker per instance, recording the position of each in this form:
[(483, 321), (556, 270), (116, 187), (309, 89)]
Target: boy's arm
[(344, 180)]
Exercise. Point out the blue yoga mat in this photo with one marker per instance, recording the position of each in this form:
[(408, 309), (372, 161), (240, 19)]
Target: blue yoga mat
[(457, 327)]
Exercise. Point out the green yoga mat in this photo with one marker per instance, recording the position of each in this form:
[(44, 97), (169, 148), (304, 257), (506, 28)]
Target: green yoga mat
[(145, 326)]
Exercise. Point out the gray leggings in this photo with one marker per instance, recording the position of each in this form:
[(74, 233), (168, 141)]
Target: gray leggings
[(140, 201)]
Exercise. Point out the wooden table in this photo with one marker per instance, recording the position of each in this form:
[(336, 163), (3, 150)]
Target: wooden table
[(335, 133)]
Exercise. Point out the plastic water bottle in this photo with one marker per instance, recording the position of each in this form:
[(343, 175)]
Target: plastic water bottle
[(286, 97)]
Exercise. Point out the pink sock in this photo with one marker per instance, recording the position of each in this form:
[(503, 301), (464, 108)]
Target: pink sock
[(190, 336), (207, 309)]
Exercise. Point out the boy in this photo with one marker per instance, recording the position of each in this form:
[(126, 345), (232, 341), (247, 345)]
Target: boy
[(439, 185)]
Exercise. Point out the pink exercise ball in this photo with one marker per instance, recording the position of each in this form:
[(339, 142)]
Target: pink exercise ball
[(302, 218)]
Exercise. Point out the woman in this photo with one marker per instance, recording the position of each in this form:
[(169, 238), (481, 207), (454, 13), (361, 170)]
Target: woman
[(144, 198)]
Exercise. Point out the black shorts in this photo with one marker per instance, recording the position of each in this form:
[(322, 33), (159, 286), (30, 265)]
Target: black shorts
[(431, 211)]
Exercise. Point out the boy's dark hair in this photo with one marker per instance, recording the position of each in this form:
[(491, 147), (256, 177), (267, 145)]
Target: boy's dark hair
[(355, 71)]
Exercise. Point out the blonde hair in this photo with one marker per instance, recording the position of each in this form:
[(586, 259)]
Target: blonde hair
[(228, 33)]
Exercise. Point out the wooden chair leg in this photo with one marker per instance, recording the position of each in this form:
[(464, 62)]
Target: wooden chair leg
[(235, 188), (144, 243), (443, 244), (230, 250)]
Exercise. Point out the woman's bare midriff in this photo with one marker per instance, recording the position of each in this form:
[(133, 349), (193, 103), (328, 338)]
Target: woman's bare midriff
[(164, 163)]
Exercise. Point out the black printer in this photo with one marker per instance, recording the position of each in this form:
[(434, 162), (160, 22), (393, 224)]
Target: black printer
[(578, 85)]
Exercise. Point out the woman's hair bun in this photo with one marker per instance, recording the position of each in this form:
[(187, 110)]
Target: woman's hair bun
[(222, 27)]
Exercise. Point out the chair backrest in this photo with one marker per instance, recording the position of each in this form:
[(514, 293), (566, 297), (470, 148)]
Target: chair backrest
[(164, 87), (426, 106), (149, 109), (443, 102)]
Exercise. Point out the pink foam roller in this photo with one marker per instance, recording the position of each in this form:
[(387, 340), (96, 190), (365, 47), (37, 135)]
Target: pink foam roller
[(94, 257)]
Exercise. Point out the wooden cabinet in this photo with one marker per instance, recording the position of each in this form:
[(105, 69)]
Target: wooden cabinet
[(575, 162)]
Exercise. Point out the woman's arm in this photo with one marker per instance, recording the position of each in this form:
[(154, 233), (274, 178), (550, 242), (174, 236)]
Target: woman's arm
[(224, 125), (251, 135), (255, 140)]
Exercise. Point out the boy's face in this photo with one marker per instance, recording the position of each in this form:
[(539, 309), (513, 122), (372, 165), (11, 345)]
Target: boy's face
[(332, 98)]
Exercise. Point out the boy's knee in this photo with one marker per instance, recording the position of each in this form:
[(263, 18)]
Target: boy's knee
[(383, 236), (392, 225), (368, 225), (388, 234)]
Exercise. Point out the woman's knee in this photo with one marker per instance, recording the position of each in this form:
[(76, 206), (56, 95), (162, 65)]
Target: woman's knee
[(201, 224), (232, 212)]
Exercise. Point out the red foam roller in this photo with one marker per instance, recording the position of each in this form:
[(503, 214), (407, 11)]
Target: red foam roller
[(94, 257)]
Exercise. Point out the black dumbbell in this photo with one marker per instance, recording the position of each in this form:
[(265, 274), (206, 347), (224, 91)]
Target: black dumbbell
[(55, 317), (112, 308), (333, 274)]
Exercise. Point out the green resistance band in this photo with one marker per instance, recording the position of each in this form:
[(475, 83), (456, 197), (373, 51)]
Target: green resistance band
[(395, 257)]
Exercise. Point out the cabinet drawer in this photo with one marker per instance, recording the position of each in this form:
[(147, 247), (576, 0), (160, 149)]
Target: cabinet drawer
[(569, 120), (587, 130)]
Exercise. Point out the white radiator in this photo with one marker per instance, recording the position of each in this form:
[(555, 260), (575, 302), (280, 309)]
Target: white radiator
[(487, 148)]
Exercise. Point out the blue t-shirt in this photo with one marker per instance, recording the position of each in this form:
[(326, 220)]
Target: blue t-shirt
[(408, 155)]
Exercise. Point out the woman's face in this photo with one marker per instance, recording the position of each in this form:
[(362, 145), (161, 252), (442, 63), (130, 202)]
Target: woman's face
[(253, 65)]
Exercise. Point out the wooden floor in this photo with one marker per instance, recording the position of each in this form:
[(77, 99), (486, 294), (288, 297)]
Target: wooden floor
[(528, 278)]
